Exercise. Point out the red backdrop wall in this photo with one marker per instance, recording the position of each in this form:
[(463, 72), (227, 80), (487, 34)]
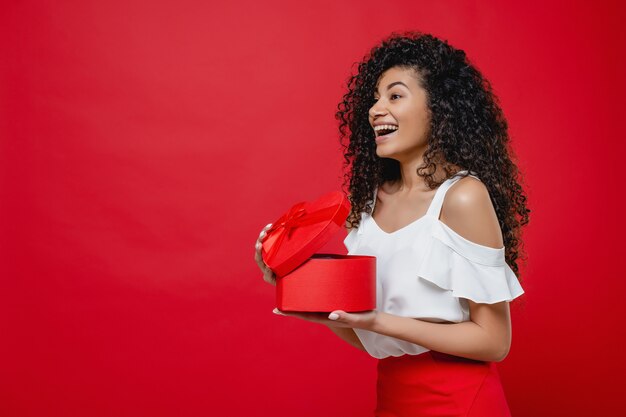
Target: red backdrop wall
[(144, 144)]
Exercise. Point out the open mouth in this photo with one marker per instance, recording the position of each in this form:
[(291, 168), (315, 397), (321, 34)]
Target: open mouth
[(385, 131)]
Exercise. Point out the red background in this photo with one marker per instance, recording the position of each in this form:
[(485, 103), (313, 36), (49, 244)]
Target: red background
[(144, 144)]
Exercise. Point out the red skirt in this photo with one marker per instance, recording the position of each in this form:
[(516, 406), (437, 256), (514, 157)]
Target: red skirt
[(438, 384)]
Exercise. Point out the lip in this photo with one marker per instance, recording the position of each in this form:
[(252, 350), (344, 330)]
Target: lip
[(381, 139)]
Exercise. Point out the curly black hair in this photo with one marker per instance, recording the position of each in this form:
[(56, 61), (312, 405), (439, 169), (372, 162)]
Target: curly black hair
[(468, 130)]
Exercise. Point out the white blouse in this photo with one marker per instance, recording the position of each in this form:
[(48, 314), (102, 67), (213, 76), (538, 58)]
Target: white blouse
[(426, 270)]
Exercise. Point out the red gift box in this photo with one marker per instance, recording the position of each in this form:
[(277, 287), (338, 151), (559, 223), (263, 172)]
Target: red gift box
[(317, 282)]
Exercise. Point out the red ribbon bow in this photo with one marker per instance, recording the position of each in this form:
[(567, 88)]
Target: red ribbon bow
[(289, 221), (296, 217)]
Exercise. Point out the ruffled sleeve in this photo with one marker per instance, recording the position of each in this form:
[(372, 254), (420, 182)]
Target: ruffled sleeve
[(468, 269)]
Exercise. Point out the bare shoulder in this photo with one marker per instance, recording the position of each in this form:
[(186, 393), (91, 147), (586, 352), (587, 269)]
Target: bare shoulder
[(467, 209)]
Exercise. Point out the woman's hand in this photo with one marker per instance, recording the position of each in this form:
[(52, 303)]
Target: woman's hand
[(365, 320), (268, 275)]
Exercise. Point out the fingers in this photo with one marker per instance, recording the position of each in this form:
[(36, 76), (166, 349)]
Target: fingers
[(258, 257), (277, 311), (320, 318), (264, 232), (315, 317), (258, 245), (268, 275), (262, 236)]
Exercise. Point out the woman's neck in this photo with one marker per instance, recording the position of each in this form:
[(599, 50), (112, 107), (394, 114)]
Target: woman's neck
[(409, 180)]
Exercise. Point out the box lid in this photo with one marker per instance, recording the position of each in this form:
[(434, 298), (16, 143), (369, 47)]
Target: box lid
[(302, 230)]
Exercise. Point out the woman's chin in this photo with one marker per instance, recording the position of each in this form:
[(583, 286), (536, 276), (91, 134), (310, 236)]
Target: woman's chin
[(382, 152)]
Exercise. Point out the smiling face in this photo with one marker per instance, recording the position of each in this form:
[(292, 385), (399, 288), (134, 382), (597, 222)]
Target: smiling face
[(401, 104)]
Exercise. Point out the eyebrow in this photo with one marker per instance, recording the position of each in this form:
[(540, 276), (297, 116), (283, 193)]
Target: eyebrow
[(394, 83)]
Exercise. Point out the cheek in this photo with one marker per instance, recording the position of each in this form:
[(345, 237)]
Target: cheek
[(415, 130), (419, 123)]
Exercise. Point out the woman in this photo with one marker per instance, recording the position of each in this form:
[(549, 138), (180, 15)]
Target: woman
[(435, 197)]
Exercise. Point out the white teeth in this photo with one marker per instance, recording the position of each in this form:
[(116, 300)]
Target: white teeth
[(385, 127)]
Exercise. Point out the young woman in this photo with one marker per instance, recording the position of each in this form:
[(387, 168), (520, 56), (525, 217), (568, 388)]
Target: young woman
[(435, 197)]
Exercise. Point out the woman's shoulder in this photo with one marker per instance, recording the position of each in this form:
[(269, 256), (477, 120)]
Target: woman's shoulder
[(467, 190), (467, 209)]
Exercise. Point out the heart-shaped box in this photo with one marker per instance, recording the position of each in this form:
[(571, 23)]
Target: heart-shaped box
[(317, 282)]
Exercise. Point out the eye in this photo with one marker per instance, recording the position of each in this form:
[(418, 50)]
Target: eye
[(392, 96)]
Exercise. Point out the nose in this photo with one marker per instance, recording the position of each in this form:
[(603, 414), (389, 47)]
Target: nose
[(376, 110)]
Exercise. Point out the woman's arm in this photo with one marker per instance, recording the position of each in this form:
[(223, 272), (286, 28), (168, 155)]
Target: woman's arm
[(487, 337)]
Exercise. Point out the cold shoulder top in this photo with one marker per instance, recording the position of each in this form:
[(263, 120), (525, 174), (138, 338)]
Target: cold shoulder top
[(426, 270)]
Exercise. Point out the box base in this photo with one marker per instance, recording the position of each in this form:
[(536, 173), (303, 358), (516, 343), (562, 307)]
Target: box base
[(328, 282)]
